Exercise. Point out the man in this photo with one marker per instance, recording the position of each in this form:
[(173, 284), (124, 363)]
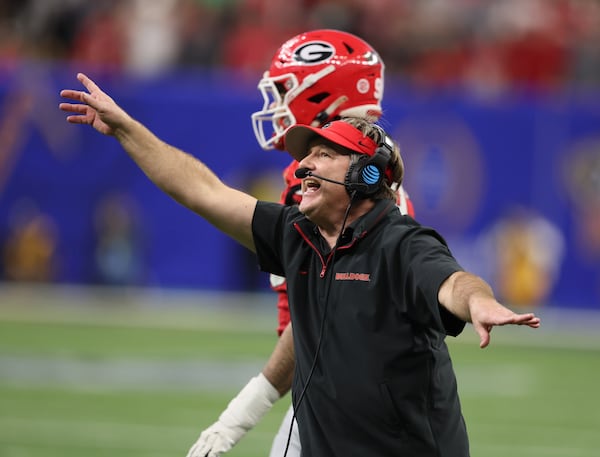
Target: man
[(314, 78), (372, 293)]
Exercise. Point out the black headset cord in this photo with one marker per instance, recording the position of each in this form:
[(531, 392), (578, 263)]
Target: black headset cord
[(322, 328)]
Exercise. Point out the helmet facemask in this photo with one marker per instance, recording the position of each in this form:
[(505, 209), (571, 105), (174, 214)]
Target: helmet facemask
[(270, 123), (276, 116)]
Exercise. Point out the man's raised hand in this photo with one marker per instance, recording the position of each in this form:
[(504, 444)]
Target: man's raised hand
[(94, 107)]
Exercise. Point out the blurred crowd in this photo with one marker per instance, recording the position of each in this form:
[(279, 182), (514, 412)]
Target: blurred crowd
[(485, 44)]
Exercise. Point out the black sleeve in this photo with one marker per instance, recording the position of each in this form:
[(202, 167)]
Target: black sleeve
[(430, 265), (267, 224)]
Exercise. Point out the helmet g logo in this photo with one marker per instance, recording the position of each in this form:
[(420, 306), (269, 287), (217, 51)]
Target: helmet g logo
[(314, 52)]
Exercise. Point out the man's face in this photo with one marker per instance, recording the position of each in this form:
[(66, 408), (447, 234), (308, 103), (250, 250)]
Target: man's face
[(324, 202)]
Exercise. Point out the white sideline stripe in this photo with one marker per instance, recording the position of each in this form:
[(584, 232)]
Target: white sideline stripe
[(530, 450), (117, 435), (134, 374), (571, 434), (217, 321), (577, 331), (228, 318), (547, 338), (500, 380), (155, 439), (194, 309), (252, 312), (144, 307)]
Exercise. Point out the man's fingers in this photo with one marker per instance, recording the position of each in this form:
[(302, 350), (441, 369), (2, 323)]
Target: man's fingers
[(81, 96), (78, 95), (484, 330), (72, 94), (79, 110), (73, 108), (77, 119), (484, 334), (484, 337), (91, 101), (527, 319), (534, 323), (87, 82)]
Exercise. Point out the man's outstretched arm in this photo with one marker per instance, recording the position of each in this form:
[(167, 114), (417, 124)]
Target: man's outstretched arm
[(250, 405), (470, 298), (177, 173)]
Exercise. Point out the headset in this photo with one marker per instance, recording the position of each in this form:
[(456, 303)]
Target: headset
[(366, 176)]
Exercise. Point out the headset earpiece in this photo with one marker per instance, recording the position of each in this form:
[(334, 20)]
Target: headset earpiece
[(366, 176)]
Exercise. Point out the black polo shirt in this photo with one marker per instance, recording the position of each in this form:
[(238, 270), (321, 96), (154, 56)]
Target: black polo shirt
[(383, 382)]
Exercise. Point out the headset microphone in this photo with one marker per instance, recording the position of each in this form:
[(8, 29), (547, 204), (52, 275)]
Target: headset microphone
[(302, 173)]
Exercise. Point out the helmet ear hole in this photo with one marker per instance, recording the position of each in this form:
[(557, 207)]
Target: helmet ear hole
[(322, 117), (318, 98)]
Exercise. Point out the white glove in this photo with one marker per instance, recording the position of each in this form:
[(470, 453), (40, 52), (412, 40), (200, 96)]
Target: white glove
[(243, 412)]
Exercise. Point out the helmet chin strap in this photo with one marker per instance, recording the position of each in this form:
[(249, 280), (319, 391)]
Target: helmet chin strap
[(324, 115)]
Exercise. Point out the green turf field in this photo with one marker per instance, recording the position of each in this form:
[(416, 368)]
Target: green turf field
[(116, 376)]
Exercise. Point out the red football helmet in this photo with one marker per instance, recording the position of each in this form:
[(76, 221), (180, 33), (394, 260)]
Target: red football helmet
[(316, 77)]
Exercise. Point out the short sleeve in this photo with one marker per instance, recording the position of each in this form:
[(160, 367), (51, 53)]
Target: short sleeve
[(430, 264), (267, 225)]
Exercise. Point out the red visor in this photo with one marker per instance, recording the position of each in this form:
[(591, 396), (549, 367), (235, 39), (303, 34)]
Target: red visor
[(341, 133)]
